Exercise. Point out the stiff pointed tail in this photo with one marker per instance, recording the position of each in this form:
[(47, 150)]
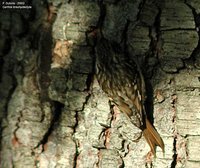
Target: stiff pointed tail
[(152, 137)]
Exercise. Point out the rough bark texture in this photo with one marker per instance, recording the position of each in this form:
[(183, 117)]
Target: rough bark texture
[(53, 112)]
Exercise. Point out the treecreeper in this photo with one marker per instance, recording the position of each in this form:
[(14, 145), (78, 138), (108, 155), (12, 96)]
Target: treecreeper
[(122, 80)]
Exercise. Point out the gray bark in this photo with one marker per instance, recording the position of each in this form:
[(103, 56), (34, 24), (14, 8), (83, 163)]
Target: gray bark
[(53, 112)]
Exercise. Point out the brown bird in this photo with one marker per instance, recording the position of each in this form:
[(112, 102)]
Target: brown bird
[(122, 80)]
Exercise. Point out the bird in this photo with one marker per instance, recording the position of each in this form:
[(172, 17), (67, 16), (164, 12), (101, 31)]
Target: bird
[(122, 80)]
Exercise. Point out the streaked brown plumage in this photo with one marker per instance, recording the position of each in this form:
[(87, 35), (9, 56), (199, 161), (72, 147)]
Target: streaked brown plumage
[(123, 81)]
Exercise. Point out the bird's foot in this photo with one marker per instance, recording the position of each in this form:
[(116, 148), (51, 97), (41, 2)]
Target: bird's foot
[(107, 138), (105, 134), (149, 159), (116, 113)]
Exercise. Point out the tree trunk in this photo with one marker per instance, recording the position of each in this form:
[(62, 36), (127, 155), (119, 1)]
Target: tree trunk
[(53, 113)]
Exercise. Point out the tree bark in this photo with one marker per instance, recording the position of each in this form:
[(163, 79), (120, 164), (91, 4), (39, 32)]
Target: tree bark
[(53, 112)]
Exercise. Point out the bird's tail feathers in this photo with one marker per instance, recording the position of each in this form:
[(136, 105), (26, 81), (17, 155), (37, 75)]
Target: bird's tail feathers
[(152, 137)]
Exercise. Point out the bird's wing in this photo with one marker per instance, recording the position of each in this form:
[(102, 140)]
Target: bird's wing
[(128, 98), (130, 101)]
